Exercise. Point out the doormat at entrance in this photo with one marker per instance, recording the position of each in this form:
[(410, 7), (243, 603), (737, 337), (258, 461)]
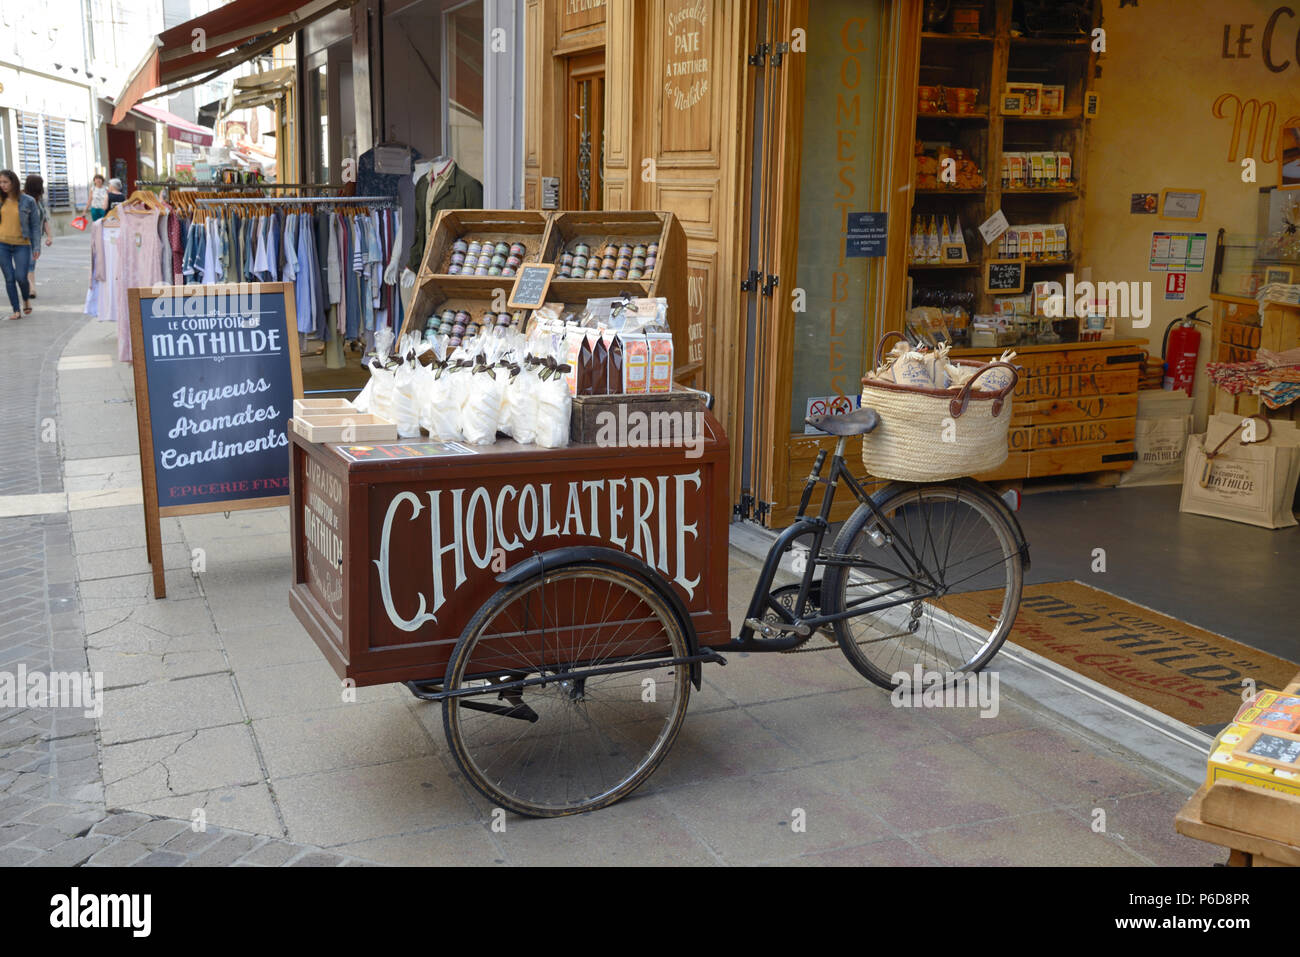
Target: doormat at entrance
[(1188, 673)]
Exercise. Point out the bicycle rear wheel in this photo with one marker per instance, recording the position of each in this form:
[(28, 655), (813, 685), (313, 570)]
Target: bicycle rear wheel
[(961, 534), (567, 743)]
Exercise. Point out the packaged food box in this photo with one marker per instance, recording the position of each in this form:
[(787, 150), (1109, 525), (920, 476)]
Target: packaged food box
[(1275, 710), (636, 365), (1049, 170), (1064, 168), (661, 361), (1232, 758)]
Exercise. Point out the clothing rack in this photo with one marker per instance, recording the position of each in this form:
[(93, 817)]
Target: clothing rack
[(177, 184), (300, 200)]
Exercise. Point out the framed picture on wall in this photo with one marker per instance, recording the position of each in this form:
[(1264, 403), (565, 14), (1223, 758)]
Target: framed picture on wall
[(1278, 274), (1184, 204)]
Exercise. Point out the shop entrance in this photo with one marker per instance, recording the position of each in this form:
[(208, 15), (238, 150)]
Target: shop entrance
[(584, 145), (822, 127), (123, 157)]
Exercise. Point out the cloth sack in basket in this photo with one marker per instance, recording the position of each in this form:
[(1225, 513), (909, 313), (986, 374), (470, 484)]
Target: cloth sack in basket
[(930, 435)]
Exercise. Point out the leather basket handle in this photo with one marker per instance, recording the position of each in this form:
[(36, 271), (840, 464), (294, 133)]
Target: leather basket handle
[(880, 346), (958, 405)]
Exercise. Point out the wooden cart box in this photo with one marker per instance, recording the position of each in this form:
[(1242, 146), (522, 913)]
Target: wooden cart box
[(664, 411), (393, 555)]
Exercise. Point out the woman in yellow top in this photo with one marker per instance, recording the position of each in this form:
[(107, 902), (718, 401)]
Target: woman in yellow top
[(20, 227)]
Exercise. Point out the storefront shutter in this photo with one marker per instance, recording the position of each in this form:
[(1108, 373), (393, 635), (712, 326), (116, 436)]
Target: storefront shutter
[(29, 144), (56, 164)]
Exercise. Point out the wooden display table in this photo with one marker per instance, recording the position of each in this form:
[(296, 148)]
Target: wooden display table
[(397, 545), (1246, 807), (1075, 408)]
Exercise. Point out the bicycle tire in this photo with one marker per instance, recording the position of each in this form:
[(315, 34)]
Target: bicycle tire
[(931, 634), (519, 784)]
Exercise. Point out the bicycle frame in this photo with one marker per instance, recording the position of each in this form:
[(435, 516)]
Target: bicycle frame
[(920, 583)]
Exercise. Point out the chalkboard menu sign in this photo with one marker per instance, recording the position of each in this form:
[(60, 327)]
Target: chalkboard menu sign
[(1004, 275), (530, 287), (216, 373), (1276, 750)]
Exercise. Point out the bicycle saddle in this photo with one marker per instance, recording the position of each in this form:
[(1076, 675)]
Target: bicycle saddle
[(858, 422)]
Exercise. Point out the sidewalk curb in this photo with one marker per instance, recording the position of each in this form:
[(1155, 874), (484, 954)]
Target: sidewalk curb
[(1103, 715)]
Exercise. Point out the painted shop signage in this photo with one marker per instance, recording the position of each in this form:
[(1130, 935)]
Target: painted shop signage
[(686, 67), (1278, 46), (466, 536)]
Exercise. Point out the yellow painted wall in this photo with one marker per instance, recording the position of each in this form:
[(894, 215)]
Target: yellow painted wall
[(1162, 72)]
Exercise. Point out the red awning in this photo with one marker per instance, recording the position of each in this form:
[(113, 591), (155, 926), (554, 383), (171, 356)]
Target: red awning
[(228, 36), (177, 127)]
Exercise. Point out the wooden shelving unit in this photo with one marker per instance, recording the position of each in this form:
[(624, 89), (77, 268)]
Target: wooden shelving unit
[(1076, 403), (989, 60)]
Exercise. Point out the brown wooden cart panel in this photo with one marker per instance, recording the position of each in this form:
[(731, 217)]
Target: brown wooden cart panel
[(393, 557)]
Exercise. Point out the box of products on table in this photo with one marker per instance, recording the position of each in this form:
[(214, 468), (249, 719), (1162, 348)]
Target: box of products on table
[(1261, 745), (480, 381)]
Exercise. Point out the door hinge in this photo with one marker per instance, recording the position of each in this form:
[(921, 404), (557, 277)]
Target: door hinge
[(744, 509), (750, 284), (761, 511), (772, 283), (759, 56), (779, 53)]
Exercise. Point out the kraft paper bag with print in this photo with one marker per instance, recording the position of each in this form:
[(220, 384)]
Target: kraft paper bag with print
[(1164, 420), (1253, 483)]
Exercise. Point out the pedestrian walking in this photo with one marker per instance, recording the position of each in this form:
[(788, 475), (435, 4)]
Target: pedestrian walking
[(97, 208), (35, 188), (115, 193), (20, 229)]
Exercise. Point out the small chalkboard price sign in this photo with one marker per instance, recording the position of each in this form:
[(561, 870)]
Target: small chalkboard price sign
[(1279, 750), (530, 287), (216, 373), (1004, 275)]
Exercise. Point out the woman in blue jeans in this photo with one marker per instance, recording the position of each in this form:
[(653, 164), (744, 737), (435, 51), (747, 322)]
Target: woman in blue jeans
[(20, 228)]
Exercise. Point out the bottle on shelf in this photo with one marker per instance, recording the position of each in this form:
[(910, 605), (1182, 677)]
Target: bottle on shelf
[(933, 250)]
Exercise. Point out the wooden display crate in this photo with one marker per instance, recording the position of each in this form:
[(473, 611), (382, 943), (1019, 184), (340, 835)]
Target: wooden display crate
[(1075, 409), (585, 421), (436, 290), (452, 292), (485, 225)]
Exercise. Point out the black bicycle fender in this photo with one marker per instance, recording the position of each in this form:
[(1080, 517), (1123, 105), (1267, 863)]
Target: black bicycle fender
[(542, 562)]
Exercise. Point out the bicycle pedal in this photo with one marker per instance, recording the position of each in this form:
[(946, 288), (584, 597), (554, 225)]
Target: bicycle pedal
[(777, 629)]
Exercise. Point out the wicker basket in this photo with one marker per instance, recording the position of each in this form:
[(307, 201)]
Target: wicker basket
[(909, 446)]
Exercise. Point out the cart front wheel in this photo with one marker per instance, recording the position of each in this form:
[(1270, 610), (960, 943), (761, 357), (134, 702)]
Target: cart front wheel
[(577, 703)]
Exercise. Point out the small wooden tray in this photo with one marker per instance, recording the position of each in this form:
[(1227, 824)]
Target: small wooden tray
[(319, 407), (357, 427)]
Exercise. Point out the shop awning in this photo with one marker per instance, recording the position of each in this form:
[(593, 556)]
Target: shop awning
[(177, 128), (256, 89), (230, 35)]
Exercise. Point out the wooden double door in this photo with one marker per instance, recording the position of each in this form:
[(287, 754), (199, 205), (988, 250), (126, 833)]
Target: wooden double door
[(584, 150)]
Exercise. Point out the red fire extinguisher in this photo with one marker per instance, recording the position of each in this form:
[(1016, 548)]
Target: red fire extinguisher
[(1179, 352)]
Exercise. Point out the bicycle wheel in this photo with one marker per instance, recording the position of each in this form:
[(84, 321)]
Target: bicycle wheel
[(566, 745), (961, 534)]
